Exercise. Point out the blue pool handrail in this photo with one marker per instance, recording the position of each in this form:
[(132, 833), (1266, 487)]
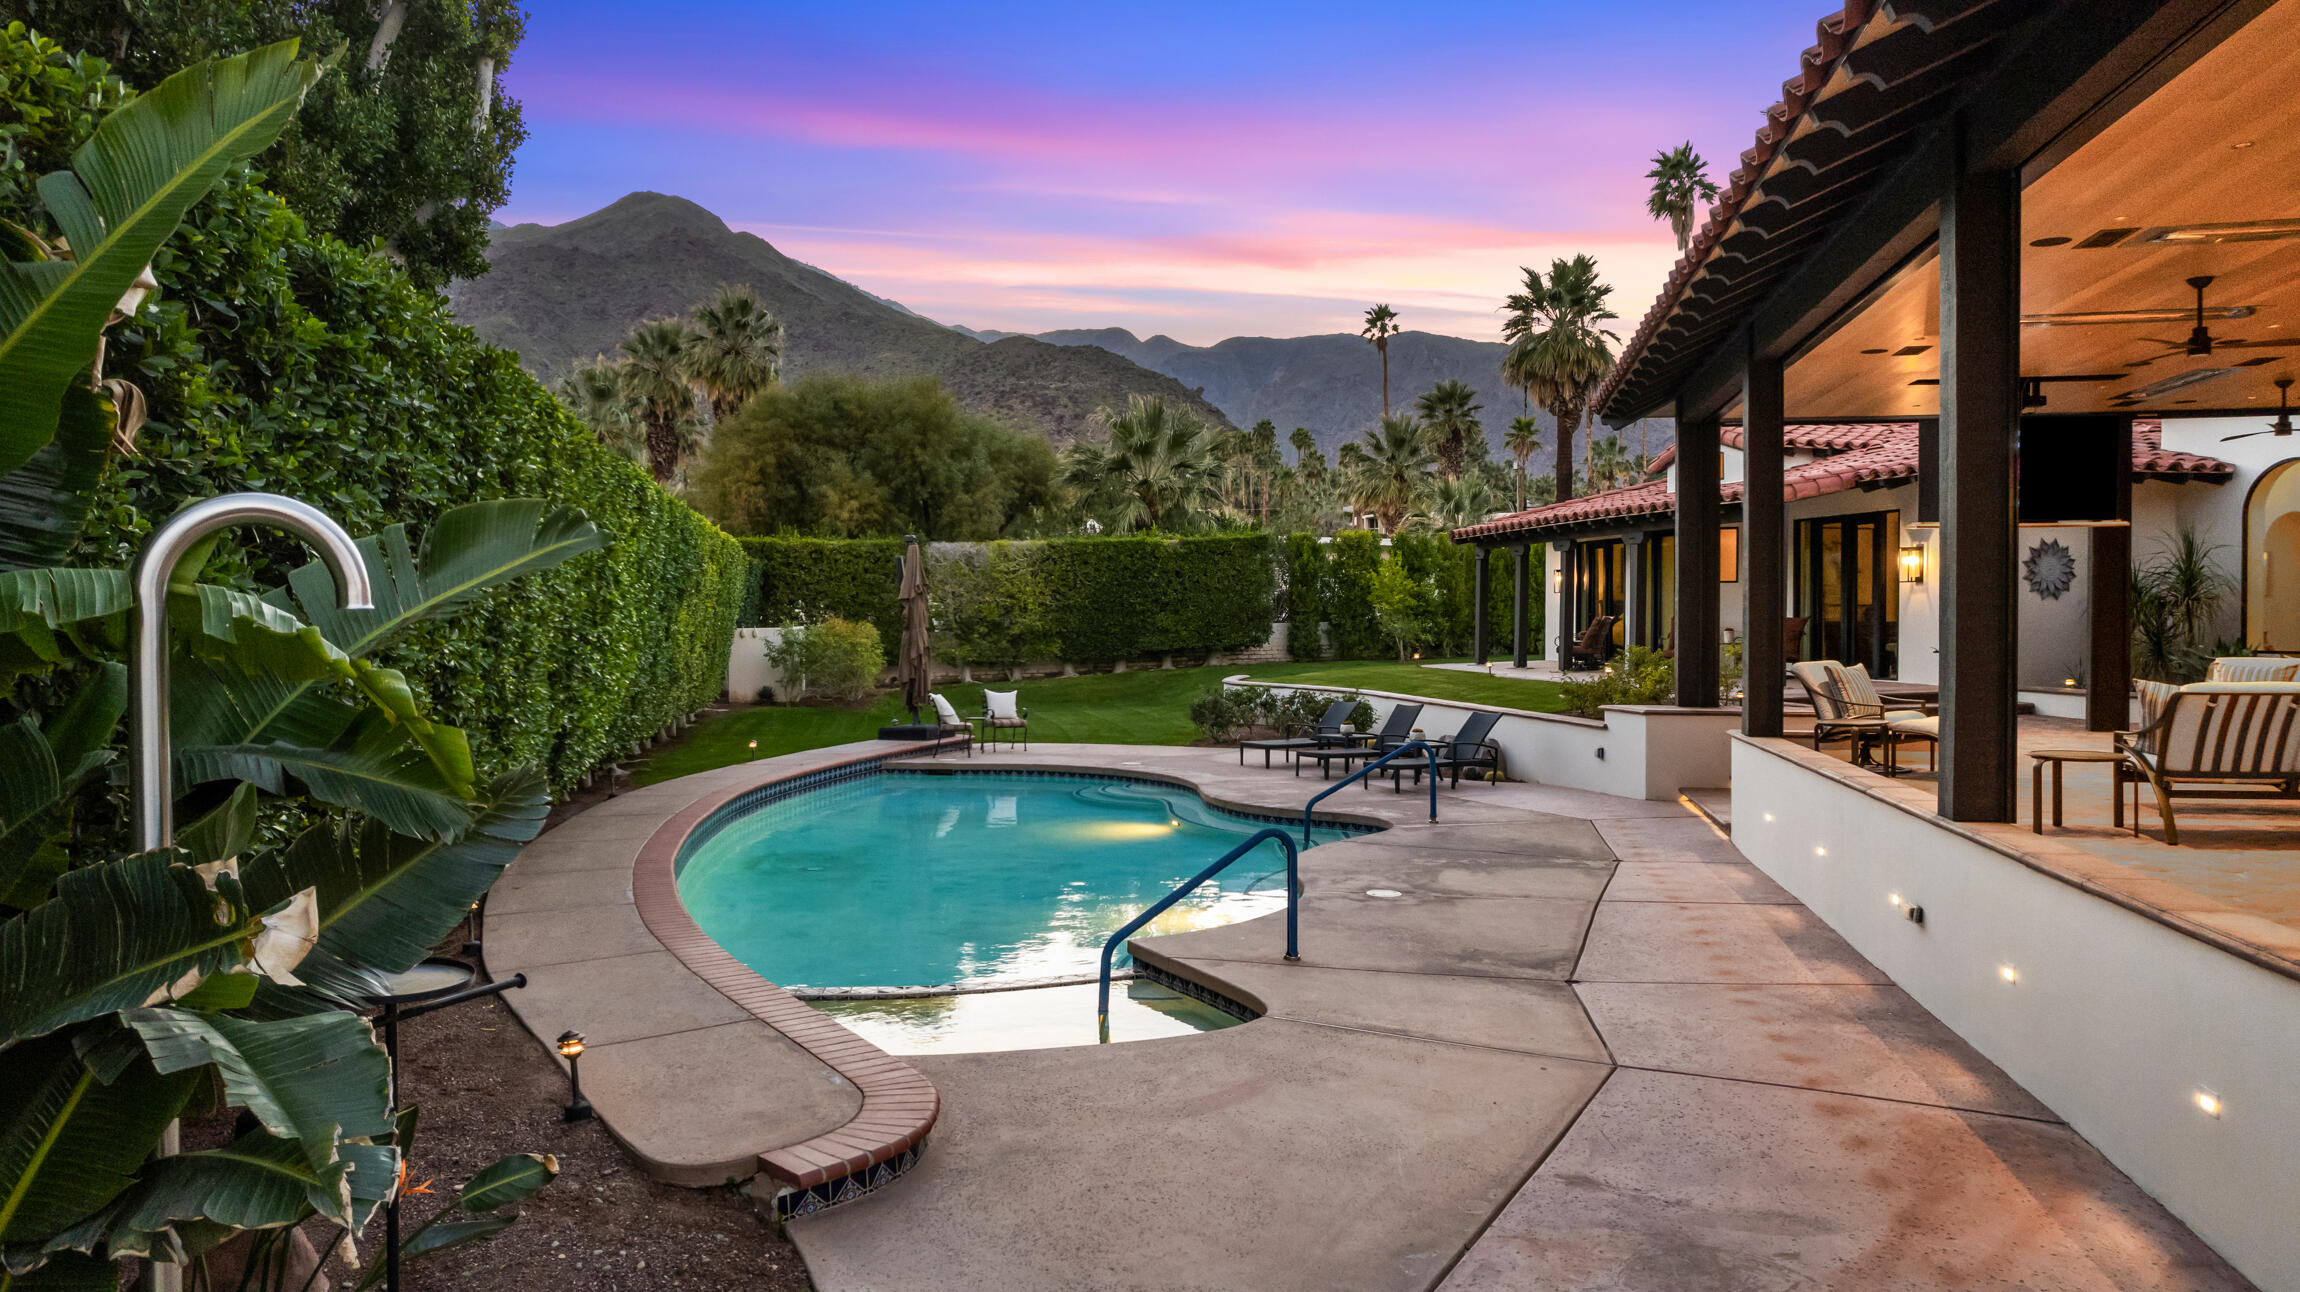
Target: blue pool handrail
[(1293, 926), (1360, 774)]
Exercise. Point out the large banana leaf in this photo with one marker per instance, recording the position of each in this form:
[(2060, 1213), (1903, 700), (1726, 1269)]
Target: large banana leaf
[(44, 503), (128, 188), (468, 550), (39, 772), (318, 1080), (385, 899), (374, 772), (113, 937), (258, 1181), (69, 1141), (36, 604)]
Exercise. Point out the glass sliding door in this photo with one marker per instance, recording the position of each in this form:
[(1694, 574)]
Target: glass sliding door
[(1848, 589), (1597, 583)]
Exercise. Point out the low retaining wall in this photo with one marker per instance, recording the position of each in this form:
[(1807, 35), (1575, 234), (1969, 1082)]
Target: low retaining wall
[(1651, 751), (2102, 1006)]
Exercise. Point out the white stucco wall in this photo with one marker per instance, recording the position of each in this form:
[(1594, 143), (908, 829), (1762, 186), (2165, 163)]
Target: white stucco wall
[(2114, 1020)]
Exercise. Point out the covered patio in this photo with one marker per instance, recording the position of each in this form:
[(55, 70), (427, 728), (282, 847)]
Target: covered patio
[(2030, 231)]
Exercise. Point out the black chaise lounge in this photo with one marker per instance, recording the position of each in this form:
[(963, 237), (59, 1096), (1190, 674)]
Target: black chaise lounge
[(1330, 732), (1470, 748), (1396, 731)]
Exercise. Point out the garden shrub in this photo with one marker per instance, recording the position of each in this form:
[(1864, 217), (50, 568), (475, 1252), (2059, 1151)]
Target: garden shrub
[(1640, 676), (838, 657), (1218, 712), (1404, 605), (1008, 603), (1357, 554), (277, 359)]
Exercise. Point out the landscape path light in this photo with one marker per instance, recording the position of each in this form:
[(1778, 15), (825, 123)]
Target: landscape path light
[(571, 1049)]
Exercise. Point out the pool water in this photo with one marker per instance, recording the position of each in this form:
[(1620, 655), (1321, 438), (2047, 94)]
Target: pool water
[(974, 882)]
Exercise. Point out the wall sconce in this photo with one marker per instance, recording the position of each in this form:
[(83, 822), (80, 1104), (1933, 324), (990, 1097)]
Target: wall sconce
[(1912, 564), (1557, 580), (571, 1049)]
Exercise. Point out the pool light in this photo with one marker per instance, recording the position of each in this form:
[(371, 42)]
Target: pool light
[(2008, 973), (2208, 1103), (571, 1049)]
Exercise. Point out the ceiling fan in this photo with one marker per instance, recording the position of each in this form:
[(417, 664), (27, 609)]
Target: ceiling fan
[(2200, 340), (2283, 423)]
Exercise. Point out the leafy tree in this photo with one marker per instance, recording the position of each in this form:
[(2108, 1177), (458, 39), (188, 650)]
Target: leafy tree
[(1680, 184), (1155, 469), (1387, 478), (407, 137), (1404, 606), (736, 349), (1381, 324), (844, 456), (1557, 352), (1449, 413), (655, 359), (1523, 441)]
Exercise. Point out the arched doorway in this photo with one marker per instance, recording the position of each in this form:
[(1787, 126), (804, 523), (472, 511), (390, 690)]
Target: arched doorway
[(2272, 560)]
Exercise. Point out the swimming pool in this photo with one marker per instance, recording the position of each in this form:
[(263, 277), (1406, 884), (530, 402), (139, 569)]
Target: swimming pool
[(945, 886)]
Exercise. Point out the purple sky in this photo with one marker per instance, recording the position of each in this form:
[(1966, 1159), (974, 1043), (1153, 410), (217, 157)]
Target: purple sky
[(1199, 170)]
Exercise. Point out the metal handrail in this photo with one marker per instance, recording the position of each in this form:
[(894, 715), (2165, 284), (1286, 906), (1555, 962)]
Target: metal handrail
[(1293, 925), (1361, 774)]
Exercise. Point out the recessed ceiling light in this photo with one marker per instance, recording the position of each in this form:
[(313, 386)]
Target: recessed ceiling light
[(2233, 231), (1878, 350), (2050, 242), (2240, 146)]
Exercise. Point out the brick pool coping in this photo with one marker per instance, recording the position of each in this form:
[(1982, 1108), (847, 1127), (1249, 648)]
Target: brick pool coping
[(899, 1105)]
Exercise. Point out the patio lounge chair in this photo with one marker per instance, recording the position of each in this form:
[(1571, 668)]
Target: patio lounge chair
[(948, 723), (2223, 740), (1591, 647), (1846, 704), (1396, 731), (1329, 732), (1000, 712), (1470, 747)]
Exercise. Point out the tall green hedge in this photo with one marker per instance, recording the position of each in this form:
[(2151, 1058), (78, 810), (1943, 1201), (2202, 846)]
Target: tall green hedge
[(1335, 580), (1086, 600), (1305, 596), (279, 360), (1356, 554)]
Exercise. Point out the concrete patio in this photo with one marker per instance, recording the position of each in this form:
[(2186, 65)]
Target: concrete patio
[(1588, 1047)]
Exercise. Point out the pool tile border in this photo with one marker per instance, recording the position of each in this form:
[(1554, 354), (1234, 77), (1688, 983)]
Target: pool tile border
[(899, 1105)]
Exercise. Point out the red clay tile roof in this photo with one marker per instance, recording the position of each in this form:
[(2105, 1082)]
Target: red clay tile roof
[(1831, 437), (1866, 453)]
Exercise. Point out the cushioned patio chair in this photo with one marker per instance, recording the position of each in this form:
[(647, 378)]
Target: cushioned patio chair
[(1588, 651), (1846, 706), (948, 723), (2222, 740), (2254, 668), (1002, 712), (1397, 730)]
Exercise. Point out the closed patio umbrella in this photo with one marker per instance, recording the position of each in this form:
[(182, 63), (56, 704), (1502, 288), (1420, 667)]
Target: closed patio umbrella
[(916, 661)]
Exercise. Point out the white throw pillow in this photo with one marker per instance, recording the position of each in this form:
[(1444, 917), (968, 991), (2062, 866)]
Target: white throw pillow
[(943, 712), (1000, 704)]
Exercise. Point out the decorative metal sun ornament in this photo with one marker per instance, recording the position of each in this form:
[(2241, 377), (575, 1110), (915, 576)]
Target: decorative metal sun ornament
[(2050, 569)]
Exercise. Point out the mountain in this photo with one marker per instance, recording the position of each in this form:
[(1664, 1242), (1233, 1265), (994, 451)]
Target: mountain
[(1330, 383), (560, 294)]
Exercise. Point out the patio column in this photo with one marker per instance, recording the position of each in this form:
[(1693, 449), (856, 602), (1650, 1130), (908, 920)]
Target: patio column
[(1521, 561), (1980, 415), (1698, 512), (1568, 596), (1478, 607), (1764, 536), (1636, 630), (2108, 656)]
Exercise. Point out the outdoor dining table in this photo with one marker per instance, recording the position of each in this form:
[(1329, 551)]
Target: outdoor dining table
[(1269, 746)]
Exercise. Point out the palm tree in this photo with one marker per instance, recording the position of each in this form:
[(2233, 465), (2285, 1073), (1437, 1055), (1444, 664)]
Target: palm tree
[(655, 379), (1450, 504), (1680, 184), (1308, 462), (1381, 325), (1449, 410), (1523, 441), (1608, 464), (1389, 469), (1557, 352), (595, 393), (737, 350), (1156, 469)]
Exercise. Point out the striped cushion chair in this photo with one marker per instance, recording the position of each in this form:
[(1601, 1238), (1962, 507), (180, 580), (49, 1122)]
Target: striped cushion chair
[(1836, 715), (2254, 668), (2224, 740)]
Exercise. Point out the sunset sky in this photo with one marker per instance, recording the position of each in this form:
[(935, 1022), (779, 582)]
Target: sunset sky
[(1202, 170)]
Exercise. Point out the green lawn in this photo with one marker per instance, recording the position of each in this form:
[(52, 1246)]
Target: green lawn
[(1144, 707)]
